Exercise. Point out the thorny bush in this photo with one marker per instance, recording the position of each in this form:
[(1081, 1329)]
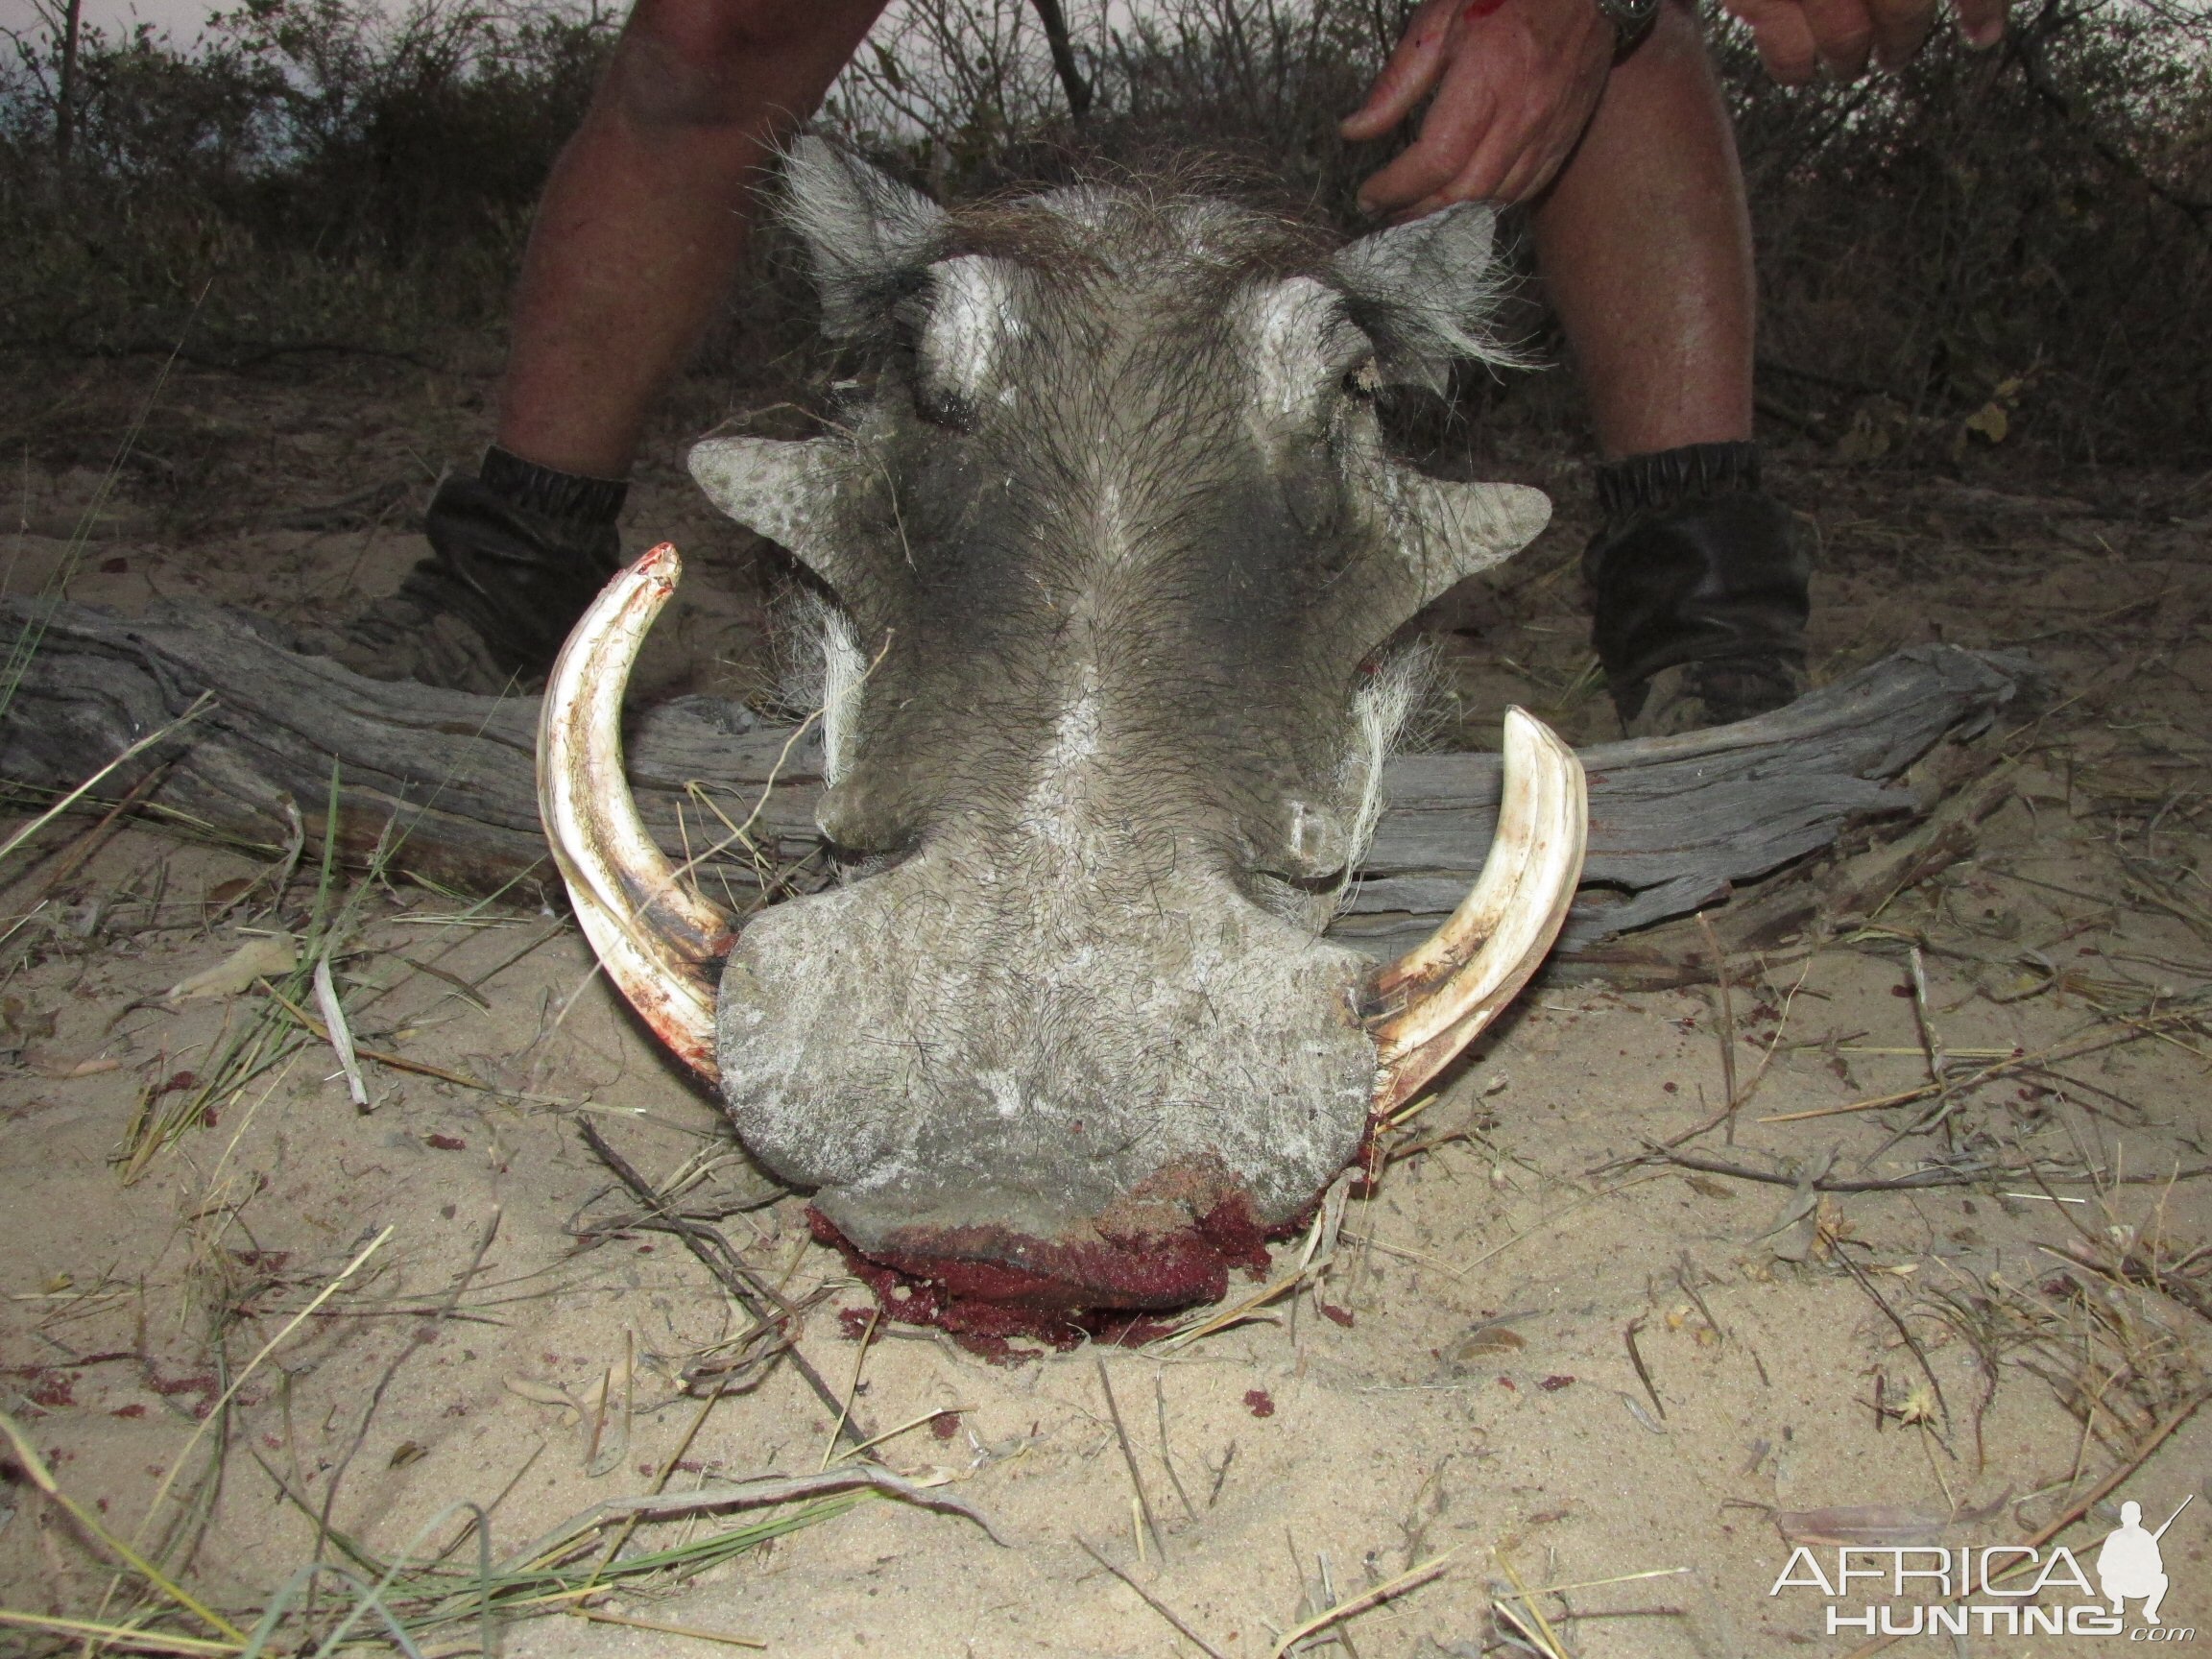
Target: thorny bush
[(2008, 248)]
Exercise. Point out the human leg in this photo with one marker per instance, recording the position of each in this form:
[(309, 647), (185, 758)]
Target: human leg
[(640, 227), (1697, 580), (647, 210)]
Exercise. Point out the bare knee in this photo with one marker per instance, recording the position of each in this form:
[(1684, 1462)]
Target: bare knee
[(750, 64)]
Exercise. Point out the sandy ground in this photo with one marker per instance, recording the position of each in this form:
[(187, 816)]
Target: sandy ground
[(1544, 1355)]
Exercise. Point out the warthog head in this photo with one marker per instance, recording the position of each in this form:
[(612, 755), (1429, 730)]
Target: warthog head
[(1115, 543)]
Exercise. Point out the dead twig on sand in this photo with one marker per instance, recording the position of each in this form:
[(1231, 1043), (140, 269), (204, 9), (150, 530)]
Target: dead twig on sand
[(1725, 998), (1910, 1341), (2135, 1268), (720, 1257), (1360, 1604), (2157, 1436), (1975, 1176), (2138, 1028), (1166, 1457), (1129, 1458), (1153, 1602)]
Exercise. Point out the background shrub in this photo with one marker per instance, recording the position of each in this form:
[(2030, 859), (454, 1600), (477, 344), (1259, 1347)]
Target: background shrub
[(2014, 247)]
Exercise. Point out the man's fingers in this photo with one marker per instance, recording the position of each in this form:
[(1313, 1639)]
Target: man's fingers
[(1900, 28), (1982, 22), (1455, 128), (1798, 37), (1783, 36), (1842, 33), (1420, 183), (1412, 69), (1483, 179)]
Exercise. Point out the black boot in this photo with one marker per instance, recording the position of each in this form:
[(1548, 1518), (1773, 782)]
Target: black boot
[(516, 554), (1697, 588)]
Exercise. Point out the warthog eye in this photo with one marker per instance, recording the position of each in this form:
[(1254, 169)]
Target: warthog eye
[(956, 332), (935, 399), (941, 407)]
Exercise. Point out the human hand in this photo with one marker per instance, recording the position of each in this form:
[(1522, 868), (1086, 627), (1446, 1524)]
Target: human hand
[(1796, 38), (1515, 81)]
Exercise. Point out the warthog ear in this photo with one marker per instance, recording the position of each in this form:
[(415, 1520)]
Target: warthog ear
[(1424, 292), (864, 229), (784, 490)]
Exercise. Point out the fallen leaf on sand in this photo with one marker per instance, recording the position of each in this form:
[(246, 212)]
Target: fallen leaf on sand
[(1484, 1345), (256, 959)]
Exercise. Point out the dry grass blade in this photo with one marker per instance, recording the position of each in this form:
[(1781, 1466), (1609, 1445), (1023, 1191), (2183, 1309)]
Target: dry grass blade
[(852, 1387), (117, 1635), (1235, 1314), (35, 1467), (200, 706), (1554, 1648), (1555, 1217), (214, 1414), (1166, 1457), (600, 1616), (339, 1034), (1314, 1259), (322, 1033), (743, 1494), (2139, 1027), (907, 1427), (1408, 1579), (1725, 1000)]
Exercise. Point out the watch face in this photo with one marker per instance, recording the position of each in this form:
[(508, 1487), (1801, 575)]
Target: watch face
[(1631, 20)]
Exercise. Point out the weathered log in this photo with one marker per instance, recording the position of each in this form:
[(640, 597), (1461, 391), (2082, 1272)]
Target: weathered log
[(1676, 824), (444, 779), (447, 779)]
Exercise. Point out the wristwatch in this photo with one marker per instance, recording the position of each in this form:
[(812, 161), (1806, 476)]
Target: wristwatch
[(1631, 21)]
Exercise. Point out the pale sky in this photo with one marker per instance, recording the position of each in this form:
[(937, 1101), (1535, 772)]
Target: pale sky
[(181, 18)]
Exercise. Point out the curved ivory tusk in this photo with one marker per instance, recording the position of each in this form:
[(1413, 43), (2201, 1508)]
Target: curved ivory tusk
[(655, 935), (1436, 999)]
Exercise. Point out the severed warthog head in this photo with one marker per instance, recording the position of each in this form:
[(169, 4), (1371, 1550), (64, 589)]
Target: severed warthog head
[(1115, 541)]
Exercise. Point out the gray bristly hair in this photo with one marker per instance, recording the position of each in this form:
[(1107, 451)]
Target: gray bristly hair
[(1381, 709)]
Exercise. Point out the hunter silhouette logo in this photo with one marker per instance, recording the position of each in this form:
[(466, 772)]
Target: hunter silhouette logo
[(2129, 1564), (1993, 1589)]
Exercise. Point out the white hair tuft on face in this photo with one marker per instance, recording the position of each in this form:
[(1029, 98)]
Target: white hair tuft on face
[(1382, 710), (819, 667), (844, 666)]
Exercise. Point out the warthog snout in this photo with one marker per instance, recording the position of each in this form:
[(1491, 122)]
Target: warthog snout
[(1114, 541)]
